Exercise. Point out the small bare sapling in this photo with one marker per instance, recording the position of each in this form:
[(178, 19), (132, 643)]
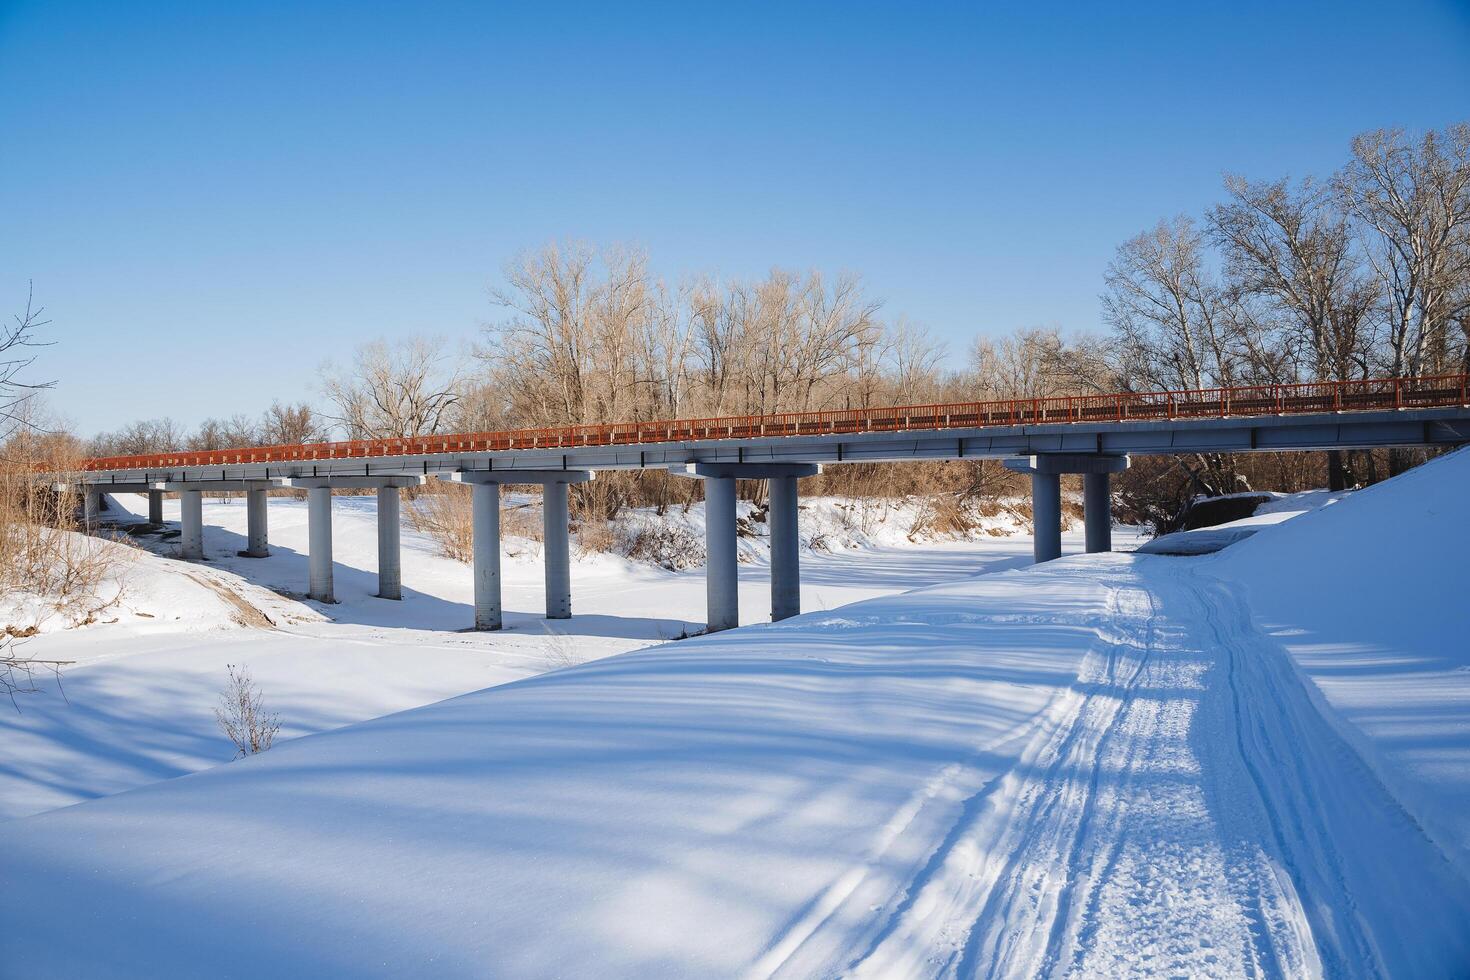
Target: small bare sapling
[(242, 716)]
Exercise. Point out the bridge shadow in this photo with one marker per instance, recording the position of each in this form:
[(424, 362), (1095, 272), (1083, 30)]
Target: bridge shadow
[(284, 572)]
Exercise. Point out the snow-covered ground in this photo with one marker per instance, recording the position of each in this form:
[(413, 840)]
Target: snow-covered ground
[(138, 704), (1252, 763)]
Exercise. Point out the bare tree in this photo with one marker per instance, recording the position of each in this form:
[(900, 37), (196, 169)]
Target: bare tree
[(394, 391), (17, 342), (1291, 249), (1414, 202), (138, 438), (291, 425), (1173, 321), (231, 433)]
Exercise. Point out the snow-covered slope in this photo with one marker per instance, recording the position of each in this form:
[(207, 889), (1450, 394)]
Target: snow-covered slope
[(1099, 766), (1369, 596)]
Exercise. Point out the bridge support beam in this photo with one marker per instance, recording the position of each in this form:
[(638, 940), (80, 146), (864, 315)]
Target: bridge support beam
[(721, 573), (390, 572), (256, 543), (1097, 512), (319, 551), (1046, 498), (191, 523), (155, 508)]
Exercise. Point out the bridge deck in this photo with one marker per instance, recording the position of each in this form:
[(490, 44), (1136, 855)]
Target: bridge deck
[(1321, 415)]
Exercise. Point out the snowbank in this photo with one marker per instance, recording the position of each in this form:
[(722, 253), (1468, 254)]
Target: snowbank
[(1368, 595)]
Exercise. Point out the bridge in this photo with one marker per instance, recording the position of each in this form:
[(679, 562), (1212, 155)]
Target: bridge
[(1091, 435)]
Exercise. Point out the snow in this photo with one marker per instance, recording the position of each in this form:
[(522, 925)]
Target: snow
[(1368, 596), (1248, 763), (138, 705)]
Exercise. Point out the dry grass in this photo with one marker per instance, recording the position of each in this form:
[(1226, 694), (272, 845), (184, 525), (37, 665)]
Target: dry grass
[(45, 552)]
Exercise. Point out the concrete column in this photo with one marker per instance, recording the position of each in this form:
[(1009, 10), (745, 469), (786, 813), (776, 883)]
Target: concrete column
[(721, 579), (256, 544), (557, 551), (319, 535), (390, 575), (485, 513), (1097, 511), (785, 550), (191, 520), (91, 504), (155, 508), (1046, 515)]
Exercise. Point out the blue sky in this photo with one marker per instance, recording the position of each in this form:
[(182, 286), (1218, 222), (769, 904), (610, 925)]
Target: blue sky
[(212, 198)]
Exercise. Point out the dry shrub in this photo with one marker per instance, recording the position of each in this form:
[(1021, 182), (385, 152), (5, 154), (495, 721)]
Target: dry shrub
[(941, 514), (522, 521), (672, 546), (442, 511), (44, 552), (242, 716), (596, 535)]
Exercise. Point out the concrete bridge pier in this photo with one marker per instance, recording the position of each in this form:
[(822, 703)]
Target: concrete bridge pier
[(191, 522), (721, 563), (785, 550), (557, 540), (1046, 516), (319, 537), (155, 508), (485, 516), (390, 570), (1046, 471), (1097, 512), (721, 574), (556, 550), (256, 544)]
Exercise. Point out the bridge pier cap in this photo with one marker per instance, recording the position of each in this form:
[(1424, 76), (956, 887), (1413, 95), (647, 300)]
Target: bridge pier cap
[(519, 476), (1059, 464), (745, 471)]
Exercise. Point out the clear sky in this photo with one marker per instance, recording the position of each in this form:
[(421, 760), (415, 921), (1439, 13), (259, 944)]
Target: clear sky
[(211, 198)]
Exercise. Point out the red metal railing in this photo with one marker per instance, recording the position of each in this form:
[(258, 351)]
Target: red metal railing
[(1285, 399)]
